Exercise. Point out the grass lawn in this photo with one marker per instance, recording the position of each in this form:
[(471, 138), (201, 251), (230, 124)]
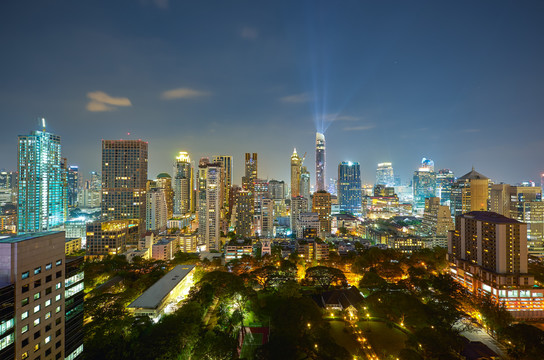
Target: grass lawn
[(344, 338), (384, 339), (251, 342)]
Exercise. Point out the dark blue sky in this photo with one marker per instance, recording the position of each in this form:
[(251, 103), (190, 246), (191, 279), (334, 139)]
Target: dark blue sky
[(459, 82)]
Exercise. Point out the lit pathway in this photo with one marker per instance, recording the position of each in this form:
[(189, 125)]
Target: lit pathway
[(478, 334)]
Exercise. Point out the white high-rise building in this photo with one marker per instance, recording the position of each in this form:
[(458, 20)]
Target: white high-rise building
[(210, 198), (320, 163), (183, 184), (385, 175), (156, 210)]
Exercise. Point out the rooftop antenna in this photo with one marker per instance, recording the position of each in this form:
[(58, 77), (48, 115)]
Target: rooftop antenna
[(43, 124)]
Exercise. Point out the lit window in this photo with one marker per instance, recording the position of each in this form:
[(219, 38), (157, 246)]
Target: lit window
[(24, 329), (37, 308), (37, 295), (58, 286), (57, 298), (48, 266), (24, 315), (47, 315), (37, 322), (57, 309), (37, 347), (25, 275), (48, 302), (48, 339), (37, 270)]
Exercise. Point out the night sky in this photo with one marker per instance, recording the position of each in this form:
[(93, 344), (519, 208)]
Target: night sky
[(459, 82)]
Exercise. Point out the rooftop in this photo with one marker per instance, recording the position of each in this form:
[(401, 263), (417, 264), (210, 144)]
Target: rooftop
[(153, 296), (491, 217), (23, 237), (473, 175)]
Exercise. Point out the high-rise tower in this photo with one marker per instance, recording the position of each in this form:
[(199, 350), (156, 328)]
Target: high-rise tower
[(210, 200), (42, 193), (349, 187), (183, 184), (250, 171), (320, 161), (124, 179), (226, 164), (385, 175), (295, 174)]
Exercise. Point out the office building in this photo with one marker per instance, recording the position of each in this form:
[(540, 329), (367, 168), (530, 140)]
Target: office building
[(424, 184), (260, 192), (183, 184), (74, 295), (308, 225), (320, 163), (385, 175), (111, 237), (311, 250), (250, 171), (35, 297), (73, 185), (277, 190), (72, 245), (226, 164), (437, 218), (299, 205), (525, 204), (322, 206), (236, 249), (444, 182), (164, 181), (304, 187), (210, 201), (124, 178), (267, 218), (488, 256), (349, 187), (296, 163), (470, 192), (156, 209), (243, 210), (42, 193)]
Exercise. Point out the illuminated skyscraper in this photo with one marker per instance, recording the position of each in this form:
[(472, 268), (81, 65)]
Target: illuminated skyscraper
[(210, 201), (164, 181), (444, 182), (226, 164), (424, 184), (183, 184), (42, 193), (243, 207), (322, 206), (250, 174), (349, 187), (124, 178), (384, 174), (469, 193), (295, 174), (304, 187), (73, 185), (320, 163)]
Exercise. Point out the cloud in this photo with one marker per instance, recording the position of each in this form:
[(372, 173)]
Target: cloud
[(296, 99), (359, 127), (249, 33), (100, 101), (183, 93)]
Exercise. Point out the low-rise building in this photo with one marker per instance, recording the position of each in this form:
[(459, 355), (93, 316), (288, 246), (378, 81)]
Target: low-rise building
[(72, 245), (312, 250), (171, 288), (164, 249), (111, 237), (235, 249), (188, 242)]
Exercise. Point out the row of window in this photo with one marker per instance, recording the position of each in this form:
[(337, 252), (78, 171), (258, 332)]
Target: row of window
[(37, 334), (38, 295), (37, 308), (38, 270)]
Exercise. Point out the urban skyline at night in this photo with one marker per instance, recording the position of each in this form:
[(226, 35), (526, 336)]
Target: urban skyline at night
[(380, 85)]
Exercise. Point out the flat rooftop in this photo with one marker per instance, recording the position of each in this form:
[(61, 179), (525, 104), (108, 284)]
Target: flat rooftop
[(23, 237), (153, 296), (491, 217)]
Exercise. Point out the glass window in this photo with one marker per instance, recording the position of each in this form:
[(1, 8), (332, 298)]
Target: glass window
[(58, 274), (48, 278), (37, 347), (25, 275), (24, 315), (37, 295), (57, 286), (58, 262), (37, 270), (48, 315), (25, 288), (48, 339), (37, 322), (37, 283), (48, 266), (57, 310), (24, 329), (58, 297), (37, 308), (24, 355), (47, 302), (24, 302)]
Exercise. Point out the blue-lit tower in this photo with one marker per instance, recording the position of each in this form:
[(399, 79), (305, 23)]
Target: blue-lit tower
[(320, 161), (349, 187), (42, 182), (73, 185), (424, 184)]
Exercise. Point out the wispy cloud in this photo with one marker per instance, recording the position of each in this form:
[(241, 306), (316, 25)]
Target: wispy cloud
[(359, 127), (100, 101), (296, 98), (183, 93), (337, 117), (249, 33)]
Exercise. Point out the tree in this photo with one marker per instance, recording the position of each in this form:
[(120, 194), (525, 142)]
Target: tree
[(325, 276)]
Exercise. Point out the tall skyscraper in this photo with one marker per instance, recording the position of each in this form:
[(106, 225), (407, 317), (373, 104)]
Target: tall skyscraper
[(296, 163), (42, 193), (37, 288), (444, 182), (250, 174), (226, 164), (384, 174), (276, 189), (349, 187), (424, 184), (183, 184), (164, 181), (210, 191), (304, 187), (470, 192), (73, 185), (320, 163), (243, 207), (322, 206), (124, 178), (156, 209), (299, 205)]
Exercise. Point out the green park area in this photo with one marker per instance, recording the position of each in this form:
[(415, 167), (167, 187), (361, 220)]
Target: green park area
[(385, 339)]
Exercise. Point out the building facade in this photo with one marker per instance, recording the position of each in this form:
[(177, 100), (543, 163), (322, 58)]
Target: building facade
[(320, 163), (296, 163), (183, 184), (385, 175), (349, 187), (470, 192), (210, 203), (321, 205)]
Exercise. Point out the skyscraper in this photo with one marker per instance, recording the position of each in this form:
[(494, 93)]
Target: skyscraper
[(304, 187), (322, 206), (424, 184), (210, 201), (250, 173), (296, 162), (183, 184), (42, 197), (299, 205), (226, 164), (349, 187), (384, 174), (444, 182), (164, 181), (124, 178), (73, 185), (243, 207), (320, 163), (156, 209), (470, 192)]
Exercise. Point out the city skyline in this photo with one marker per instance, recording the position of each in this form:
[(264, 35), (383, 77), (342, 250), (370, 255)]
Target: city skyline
[(383, 85)]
